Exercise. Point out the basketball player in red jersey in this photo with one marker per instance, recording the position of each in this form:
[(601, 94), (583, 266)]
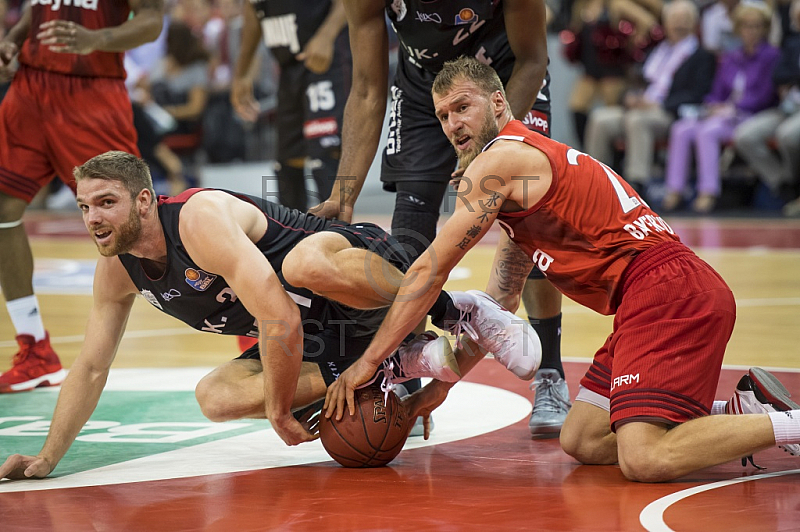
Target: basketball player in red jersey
[(646, 399), (66, 104)]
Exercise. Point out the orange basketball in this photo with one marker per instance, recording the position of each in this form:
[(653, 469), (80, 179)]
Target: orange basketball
[(373, 437)]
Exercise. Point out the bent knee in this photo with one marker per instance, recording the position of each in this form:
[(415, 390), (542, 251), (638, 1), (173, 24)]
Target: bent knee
[(305, 266), (646, 467), (588, 447), (211, 396)]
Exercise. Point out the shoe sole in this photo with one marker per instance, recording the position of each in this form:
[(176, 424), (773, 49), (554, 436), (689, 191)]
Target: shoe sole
[(51, 379), (769, 389), (449, 357), (541, 432)]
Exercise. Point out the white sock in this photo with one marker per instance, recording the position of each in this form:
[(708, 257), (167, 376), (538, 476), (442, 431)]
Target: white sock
[(26, 317), (718, 407), (786, 426)]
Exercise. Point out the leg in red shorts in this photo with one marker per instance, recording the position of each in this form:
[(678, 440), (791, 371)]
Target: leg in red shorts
[(49, 123)]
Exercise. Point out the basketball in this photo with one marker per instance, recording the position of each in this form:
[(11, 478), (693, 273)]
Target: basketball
[(372, 437)]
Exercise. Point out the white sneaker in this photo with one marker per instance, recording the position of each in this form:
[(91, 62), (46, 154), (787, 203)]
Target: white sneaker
[(760, 392), (511, 340), (427, 355)]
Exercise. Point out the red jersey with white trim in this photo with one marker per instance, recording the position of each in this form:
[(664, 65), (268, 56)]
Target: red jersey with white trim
[(587, 229), (93, 15)]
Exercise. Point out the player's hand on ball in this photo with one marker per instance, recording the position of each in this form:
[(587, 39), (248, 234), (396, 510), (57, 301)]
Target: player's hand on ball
[(291, 431), (424, 401), (19, 467), (342, 391), (67, 37)]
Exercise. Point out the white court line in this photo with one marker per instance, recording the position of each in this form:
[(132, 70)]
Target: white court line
[(652, 517)]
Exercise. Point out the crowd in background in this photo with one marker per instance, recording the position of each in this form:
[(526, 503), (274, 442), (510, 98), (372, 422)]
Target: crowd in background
[(692, 102)]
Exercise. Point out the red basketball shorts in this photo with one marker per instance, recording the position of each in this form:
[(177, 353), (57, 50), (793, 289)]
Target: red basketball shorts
[(50, 123), (663, 358)]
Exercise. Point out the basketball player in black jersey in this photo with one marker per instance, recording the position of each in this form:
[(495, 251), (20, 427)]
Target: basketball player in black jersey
[(309, 41), (418, 160), (313, 290)]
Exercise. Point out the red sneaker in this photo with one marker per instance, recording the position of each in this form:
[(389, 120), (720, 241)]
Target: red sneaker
[(35, 365)]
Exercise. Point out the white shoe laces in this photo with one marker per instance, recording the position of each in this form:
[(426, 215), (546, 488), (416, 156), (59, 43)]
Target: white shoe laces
[(490, 329)]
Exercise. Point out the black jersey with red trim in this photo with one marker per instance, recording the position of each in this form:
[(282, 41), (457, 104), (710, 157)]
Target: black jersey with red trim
[(204, 300), (434, 32), (288, 25)]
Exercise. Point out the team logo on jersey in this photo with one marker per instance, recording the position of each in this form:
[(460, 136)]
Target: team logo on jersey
[(466, 16), (429, 17), (400, 9), (536, 121), (55, 5), (151, 298), (198, 279), (170, 294)]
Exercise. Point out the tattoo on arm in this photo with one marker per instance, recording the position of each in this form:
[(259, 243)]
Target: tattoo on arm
[(512, 269)]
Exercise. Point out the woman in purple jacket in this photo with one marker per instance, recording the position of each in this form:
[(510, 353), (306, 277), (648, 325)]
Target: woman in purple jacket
[(742, 86)]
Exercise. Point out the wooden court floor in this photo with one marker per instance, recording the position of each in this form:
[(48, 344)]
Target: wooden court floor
[(480, 470)]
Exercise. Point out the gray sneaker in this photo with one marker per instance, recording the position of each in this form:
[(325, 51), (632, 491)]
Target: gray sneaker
[(418, 429), (551, 404)]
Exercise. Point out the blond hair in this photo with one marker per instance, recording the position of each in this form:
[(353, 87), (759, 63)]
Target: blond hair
[(469, 69)]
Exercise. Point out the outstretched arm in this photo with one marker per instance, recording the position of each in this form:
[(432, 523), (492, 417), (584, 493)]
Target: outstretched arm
[(233, 226), (70, 37), (114, 294), (478, 203), (365, 108)]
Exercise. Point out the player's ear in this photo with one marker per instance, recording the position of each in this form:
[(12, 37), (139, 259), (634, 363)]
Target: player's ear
[(499, 103), (144, 199)]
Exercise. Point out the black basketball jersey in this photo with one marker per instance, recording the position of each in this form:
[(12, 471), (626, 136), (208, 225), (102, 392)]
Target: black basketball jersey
[(433, 32), (287, 25), (203, 300)]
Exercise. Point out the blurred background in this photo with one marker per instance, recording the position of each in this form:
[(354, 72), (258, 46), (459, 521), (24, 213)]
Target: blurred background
[(617, 73)]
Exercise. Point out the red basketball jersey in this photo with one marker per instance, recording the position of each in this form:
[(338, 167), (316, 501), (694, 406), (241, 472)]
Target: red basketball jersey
[(587, 229), (92, 14)]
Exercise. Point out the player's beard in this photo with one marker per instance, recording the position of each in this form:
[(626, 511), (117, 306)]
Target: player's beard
[(125, 236), (487, 133)]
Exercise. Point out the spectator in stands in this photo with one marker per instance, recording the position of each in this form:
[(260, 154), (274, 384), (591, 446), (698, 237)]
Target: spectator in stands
[(752, 138), (742, 86), (717, 27), (605, 52), (677, 72)]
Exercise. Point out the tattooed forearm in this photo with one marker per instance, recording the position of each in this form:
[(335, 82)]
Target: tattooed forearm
[(511, 270)]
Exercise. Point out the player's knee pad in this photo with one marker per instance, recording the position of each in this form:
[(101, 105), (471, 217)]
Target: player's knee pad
[(414, 223), (291, 185)]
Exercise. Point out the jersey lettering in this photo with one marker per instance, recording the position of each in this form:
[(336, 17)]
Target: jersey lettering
[(55, 5), (463, 34), (628, 203), (542, 260), (281, 31)]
